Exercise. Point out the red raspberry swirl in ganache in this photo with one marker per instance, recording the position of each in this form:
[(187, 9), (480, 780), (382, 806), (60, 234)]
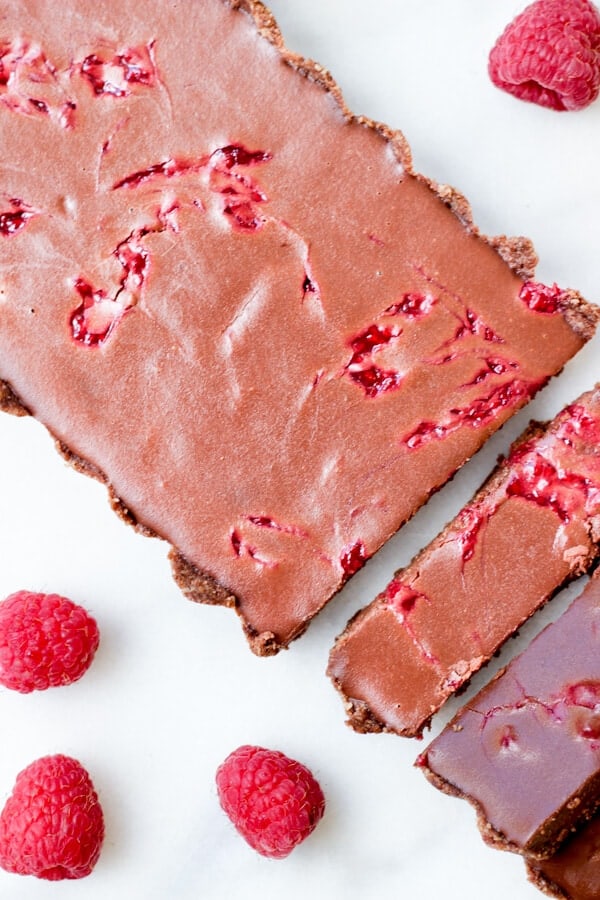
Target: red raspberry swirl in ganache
[(240, 194), (476, 414), (538, 475), (362, 371), (582, 700), (95, 318), (353, 559), (115, 76), (367, 346), (541, 298), (268, 522), (403, 599), (31, 84), (15, 218)]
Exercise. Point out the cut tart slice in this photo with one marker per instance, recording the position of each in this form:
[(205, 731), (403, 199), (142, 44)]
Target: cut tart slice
[(526, 749), (271, 356), (531, 528)]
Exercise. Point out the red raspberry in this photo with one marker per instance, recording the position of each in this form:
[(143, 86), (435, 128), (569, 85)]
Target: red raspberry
[(550, 54), (273, 801), (52, 825), (45, 641)]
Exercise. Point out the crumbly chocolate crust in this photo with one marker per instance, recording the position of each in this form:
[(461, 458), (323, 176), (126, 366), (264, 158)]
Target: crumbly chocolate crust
[(9, 402), (492, 838), (559, 828), (547, 887)]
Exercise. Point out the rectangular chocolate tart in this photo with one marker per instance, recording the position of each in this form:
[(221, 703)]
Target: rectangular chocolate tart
[(271, 355), (531, 528), (525, 751)]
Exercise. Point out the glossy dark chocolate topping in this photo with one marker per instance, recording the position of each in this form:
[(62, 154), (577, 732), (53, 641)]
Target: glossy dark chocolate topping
[(526, 749), (234, 302), (534, 526)]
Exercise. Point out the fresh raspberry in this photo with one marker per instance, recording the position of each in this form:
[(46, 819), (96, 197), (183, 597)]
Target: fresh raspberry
[(273, 801), (550, 54), (52, 824), (45, 641)]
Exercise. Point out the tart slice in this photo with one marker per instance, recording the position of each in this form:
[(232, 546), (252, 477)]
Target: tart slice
[(531, 528)]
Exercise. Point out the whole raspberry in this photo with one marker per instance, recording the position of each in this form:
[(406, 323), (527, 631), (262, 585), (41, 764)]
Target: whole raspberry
[(550, 55), (52, 824), (273, 801), (45, 641)]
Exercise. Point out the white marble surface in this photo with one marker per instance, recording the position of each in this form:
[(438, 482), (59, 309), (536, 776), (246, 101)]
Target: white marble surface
[(174, 687)]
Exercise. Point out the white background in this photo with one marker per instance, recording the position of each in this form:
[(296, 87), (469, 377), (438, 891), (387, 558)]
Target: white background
[(174, 687)]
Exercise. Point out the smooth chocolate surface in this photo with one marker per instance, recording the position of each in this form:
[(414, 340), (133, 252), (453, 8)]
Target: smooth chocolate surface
[(531, 528), (234, 303), (526, 749), (573, 872)]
